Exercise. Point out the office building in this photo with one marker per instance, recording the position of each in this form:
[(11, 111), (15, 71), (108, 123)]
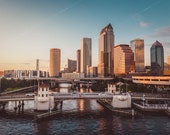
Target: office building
[(124, 59), (71, 65), (86, 58), (92, 72), (78, 56), (157, 58), (55, 58), (168, 60), (137, 47), (105, 53)]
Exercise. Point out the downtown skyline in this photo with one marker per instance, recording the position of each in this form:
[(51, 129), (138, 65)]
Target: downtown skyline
[(30, 28)]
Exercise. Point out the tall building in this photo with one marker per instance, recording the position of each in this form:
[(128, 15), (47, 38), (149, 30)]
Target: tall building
[(168, 60), (105, 54), (86, 58), (78, 56), (157, 58), (137, 47), (55, 58), (71, 65), (37, 68), (124, 59)]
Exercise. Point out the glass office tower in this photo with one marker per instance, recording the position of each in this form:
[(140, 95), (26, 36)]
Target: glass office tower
[(157, 58)]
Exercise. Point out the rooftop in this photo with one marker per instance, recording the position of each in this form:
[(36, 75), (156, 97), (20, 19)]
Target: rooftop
[(109, 26), (157, 43)]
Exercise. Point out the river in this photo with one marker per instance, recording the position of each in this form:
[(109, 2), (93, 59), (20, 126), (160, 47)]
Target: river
[(87, 117)]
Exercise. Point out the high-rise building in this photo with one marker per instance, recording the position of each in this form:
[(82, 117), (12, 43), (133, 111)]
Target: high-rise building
[(105, 54), (71, 65), (157, 58), (124, 59), (55, 58), (37, 68), (137, 47), (168, 60), (86, 58), (78, 55)]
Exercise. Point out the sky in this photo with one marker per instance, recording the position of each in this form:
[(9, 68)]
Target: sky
[(29, 28)]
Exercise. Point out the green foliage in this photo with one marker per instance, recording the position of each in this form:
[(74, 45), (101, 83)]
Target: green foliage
[(137, 88), (12, 84), (99, 86)]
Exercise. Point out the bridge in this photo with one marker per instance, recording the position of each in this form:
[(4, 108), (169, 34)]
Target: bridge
[(20, 97), (95, 95), (58, 96), (78, 95)]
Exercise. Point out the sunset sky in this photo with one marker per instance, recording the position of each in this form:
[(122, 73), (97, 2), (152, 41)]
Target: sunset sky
[(29, 28)]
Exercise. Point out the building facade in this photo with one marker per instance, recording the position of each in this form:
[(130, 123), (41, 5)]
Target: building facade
[(92, 72), (71, 65), (21, 74), (157, 58), (137, 47), (55, 58), (105, 53), (124, 59), (168, 61), (78, 56), (86, 58)]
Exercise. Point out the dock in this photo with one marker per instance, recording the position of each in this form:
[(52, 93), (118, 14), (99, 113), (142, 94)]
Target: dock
[(151, 107), (123, 112)]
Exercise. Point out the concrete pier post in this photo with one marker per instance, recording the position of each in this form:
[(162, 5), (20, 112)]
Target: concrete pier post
[(3, 106), (19, 107), (22, 104), (133, 112), (61, 105), (15, 108)]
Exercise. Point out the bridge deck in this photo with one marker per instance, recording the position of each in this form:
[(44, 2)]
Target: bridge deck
[(67, 96)]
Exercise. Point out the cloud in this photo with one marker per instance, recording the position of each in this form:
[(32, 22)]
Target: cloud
[(161, 32), (144, 24)]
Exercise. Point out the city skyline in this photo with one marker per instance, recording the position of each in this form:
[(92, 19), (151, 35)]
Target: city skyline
[(30, 28)]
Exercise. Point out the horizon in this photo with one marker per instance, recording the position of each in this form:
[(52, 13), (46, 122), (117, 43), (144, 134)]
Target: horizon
[(29, 29)]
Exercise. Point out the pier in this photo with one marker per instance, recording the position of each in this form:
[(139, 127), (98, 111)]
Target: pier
[(151, 107), (123, 112)]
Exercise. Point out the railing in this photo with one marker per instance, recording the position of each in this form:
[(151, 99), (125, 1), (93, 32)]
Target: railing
[(16, 97), (152, 106), (150, 96), (83, 96)]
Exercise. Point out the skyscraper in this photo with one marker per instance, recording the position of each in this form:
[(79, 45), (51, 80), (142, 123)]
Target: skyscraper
[(124, 59), (168, 60), (85, 54), (157, 58), (105, 59), (71, 65), (137, 47), (78, 55), (55, 56)]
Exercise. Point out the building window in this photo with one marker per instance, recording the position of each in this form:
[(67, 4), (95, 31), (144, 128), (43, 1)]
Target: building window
[(42, 89), (46, 95), (164, 80), (42, 95), (39, 95), (155, 80)]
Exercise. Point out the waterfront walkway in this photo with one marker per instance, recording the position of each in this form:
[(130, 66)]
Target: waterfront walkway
[(151, 107)]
